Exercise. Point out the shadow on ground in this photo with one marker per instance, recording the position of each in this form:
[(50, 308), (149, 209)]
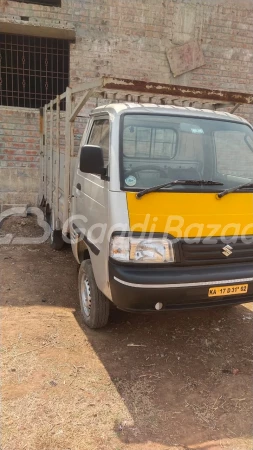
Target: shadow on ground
[(184, 377)]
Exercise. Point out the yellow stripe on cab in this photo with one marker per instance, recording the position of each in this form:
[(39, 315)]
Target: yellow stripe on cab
[(189, 215)]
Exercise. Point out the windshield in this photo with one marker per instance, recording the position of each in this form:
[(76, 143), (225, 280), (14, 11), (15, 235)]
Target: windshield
[(161, 148)]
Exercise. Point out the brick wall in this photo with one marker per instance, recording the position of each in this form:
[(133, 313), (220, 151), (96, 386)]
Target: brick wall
[(19, 145), (129, 38), (19, 155)]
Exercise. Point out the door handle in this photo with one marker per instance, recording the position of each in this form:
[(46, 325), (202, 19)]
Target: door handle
[(79, 187)]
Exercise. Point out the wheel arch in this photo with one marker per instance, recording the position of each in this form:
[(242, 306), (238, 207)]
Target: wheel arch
[(83, 252)]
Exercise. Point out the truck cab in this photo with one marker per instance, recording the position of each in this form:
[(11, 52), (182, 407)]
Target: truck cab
[(162, 210)]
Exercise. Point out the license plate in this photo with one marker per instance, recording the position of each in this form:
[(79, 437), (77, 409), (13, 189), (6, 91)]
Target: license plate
[(228, 290)]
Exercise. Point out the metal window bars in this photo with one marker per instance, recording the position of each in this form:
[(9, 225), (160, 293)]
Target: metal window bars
[(33, 70)]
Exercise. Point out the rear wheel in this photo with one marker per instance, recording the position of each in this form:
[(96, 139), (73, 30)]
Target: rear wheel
[(56, 239), (95, 306)]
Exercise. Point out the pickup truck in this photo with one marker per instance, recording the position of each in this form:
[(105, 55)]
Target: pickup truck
[(160, 208)]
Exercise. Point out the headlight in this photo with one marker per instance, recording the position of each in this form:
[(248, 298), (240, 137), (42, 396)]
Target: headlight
[(141, 250)]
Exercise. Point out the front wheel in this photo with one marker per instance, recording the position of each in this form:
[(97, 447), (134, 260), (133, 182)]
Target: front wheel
[(95, 306)]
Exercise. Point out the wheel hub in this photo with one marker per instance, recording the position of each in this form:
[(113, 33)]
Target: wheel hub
[(85, 295)]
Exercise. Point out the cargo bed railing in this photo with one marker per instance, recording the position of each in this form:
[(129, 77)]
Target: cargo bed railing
[(110, 90)]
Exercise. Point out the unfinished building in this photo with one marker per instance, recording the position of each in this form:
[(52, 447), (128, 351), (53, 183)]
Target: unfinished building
[(48, 45)]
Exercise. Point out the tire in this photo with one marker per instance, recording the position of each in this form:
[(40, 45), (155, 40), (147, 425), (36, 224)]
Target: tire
[(56, 240), (95, 307), (47, 214)]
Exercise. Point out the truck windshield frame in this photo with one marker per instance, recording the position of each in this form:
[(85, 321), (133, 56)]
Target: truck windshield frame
[(129, 181)]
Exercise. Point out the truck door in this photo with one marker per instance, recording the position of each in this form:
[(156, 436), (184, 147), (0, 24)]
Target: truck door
[(91, 190)]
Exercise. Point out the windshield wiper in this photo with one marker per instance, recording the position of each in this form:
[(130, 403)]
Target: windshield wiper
[(180, 182), (234, 189)]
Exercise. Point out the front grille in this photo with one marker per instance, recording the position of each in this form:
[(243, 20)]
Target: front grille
[(210, 251)]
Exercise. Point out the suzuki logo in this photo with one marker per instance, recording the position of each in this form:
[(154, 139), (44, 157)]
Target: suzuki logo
[(227, 251)]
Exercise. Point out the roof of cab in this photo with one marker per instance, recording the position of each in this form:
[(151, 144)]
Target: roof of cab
[(119, 108)]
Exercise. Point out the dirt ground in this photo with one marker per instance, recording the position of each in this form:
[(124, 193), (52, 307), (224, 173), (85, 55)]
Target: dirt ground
[(178, 381)]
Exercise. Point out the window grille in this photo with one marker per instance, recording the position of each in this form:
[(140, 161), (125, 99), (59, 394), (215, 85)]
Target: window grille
[(33, 70), (42, 2)]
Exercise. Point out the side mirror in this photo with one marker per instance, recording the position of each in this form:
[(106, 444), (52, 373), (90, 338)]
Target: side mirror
[(92, 160)]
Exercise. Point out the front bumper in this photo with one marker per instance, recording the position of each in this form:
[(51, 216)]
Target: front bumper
[(136, 288)]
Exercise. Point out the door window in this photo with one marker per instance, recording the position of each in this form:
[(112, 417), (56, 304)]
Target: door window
[(100, 136)]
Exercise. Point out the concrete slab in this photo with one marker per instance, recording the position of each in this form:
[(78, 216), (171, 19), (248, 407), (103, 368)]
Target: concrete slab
[(186, 57), (14, 210)]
